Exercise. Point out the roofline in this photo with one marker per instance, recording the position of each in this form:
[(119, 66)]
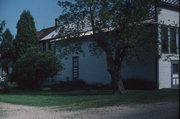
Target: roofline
[(48, 39), (168, 6), (90, 32), (47, 28)]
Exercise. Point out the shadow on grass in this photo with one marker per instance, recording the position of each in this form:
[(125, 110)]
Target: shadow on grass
[(81, 98), (64, 92), (81, 91)]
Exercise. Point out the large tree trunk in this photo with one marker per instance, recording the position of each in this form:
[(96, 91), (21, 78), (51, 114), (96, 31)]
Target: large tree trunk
[(117, 83), (114, 61)]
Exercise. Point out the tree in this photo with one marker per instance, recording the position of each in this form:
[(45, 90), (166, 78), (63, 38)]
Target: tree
[(26, 34), (31, 64), (3, 84), (6, 50), (34, 66), (2, 24), (118, 27)]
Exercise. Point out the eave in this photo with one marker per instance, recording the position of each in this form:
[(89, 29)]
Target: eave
[(168, 6)]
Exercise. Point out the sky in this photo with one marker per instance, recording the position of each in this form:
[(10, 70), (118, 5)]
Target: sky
[(43, 11)]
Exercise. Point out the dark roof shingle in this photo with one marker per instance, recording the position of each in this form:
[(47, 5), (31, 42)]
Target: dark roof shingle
[(44, 32)]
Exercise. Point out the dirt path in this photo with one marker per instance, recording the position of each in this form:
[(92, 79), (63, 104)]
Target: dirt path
[(164, 110)]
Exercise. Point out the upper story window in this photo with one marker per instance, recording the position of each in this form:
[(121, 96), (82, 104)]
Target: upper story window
[(164, 39), (48, 45), (175, 69), (169, 39), (53, 47), (44, 46), (173, 41)]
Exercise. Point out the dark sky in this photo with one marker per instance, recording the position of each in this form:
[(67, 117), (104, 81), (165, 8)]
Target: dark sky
[(43, 11)]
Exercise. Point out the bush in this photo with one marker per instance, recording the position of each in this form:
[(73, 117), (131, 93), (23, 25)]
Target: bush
[(12, 85), (139, 84), (33, 67), (79, 83), (4, 87)]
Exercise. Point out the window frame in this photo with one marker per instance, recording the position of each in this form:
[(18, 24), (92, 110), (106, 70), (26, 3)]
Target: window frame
[(173, 39), (164, 39), (168, 35)]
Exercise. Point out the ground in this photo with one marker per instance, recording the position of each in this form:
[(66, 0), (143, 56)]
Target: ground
[(89, 104), (163, 110)]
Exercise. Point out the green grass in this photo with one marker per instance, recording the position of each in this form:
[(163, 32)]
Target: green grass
[(81, 99)]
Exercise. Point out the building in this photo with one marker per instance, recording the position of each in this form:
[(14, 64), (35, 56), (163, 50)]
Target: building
[(168, 35), (164, 71)]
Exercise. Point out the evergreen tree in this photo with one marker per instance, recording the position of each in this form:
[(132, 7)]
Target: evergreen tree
[(6, 50), (32, 65), (26, 34), (2, 24)]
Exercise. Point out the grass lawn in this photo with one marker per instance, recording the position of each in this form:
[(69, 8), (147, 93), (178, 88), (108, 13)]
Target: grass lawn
[(81, 99)]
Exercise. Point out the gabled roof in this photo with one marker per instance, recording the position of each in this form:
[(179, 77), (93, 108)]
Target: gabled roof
[(44, 32)]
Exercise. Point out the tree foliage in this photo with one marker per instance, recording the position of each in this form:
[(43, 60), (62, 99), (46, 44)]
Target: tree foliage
[(31, 64), (6, 50), (34, 66), (26, 34), (2, 24), (120, 28)]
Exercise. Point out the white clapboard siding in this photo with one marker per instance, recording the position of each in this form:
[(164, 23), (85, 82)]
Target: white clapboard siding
[(169, 18)]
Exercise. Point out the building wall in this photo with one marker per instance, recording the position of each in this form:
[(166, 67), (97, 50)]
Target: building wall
[(135, 69), (165, 71), (93, 69), (168, 18)]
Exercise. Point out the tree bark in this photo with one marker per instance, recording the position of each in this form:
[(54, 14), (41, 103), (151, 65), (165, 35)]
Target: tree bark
[(117, 83), (113, 64)]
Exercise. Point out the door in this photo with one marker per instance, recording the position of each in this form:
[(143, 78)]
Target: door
[(75, 68), (175, 74)]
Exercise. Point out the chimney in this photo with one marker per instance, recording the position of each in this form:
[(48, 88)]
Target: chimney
[(57, 22)]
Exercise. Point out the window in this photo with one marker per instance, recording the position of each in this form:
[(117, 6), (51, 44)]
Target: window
[(164, 39), (173, 48), (169, 40), (175, 69), (52, 46), (49, 45), (44, 46)]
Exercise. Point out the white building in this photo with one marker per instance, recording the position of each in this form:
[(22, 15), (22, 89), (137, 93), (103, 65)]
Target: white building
[(168, 35), (92, 69)]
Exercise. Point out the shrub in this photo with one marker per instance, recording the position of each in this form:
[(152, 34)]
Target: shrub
[(12, 85), (139, 84), (78, 83), (33, 67), (4, 87)]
